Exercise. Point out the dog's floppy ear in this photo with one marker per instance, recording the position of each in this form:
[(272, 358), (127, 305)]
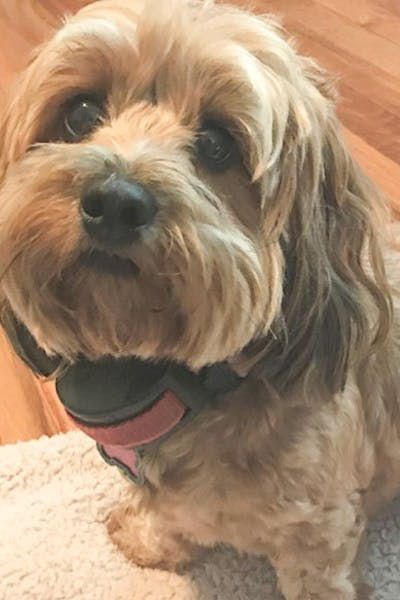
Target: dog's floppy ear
[(25, 346), (2, 143), (20, 111), (336, 306), (324, 212)]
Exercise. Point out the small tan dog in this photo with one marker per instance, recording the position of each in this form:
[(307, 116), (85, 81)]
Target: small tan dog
[(244, 232)]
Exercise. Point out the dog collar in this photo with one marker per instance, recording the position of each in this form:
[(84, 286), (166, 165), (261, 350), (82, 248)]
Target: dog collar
[(126, 404)]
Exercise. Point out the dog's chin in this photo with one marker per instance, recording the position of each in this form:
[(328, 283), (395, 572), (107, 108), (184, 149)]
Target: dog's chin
[(107, 263)]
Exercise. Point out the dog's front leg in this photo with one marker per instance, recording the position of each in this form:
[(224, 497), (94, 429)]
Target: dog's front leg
[(317, 559), (145, 535)]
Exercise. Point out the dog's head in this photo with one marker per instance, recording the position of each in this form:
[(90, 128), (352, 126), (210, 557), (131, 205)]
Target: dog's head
[(173, 184)]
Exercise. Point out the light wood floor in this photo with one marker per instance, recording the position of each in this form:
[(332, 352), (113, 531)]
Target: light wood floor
[(357, 40)]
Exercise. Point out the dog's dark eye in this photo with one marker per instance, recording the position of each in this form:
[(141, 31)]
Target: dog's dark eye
[(216, 147), (82, 115)]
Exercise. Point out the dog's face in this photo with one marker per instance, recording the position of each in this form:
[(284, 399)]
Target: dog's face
[(163, 184)]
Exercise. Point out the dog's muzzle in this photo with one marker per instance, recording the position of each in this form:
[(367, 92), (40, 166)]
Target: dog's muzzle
[(125, 404)]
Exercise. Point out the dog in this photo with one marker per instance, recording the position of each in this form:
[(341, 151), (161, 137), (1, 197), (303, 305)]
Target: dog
[(174, 185)]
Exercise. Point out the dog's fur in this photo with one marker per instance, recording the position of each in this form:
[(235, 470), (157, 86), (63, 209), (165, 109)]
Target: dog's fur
[(281, 265)]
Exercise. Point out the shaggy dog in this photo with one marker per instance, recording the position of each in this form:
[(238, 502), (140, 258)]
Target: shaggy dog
[(174, 185)]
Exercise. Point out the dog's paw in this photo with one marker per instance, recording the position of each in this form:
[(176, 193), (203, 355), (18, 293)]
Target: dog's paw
[(143, 540)]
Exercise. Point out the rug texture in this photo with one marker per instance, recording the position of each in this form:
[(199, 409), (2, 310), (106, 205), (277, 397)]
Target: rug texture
[(55, 495)]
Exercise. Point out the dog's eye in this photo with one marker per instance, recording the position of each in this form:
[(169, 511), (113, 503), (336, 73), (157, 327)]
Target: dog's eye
[(216, 147), (82, 115)]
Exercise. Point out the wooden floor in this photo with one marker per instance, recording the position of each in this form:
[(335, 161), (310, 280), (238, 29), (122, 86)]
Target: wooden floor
[(357, 40)]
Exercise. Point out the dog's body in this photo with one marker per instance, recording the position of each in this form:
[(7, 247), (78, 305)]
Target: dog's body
[(292, 478), (257, 240)]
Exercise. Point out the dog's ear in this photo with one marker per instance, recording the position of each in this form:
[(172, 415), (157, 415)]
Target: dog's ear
[(20, 110), (2, 142), (336, 306), (16, 131)]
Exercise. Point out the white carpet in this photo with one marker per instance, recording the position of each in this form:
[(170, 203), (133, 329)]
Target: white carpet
[(55, 494)]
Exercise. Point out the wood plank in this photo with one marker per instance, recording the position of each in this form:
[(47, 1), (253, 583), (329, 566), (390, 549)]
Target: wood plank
[(375, 117), (23, 25), (392, 6), (12, 60), (29, 408), (325, 25), (385, 172), (47, 12), (357, 75), (383, 129), (370, 15)]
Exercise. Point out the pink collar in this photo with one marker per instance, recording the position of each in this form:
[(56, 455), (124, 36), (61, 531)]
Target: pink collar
[(120, 445), (142, 414)]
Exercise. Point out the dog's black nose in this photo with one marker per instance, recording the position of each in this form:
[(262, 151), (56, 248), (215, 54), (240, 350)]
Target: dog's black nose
[(112, 211)]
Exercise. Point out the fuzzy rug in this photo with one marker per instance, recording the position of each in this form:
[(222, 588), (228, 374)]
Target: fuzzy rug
[(55, 494)]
